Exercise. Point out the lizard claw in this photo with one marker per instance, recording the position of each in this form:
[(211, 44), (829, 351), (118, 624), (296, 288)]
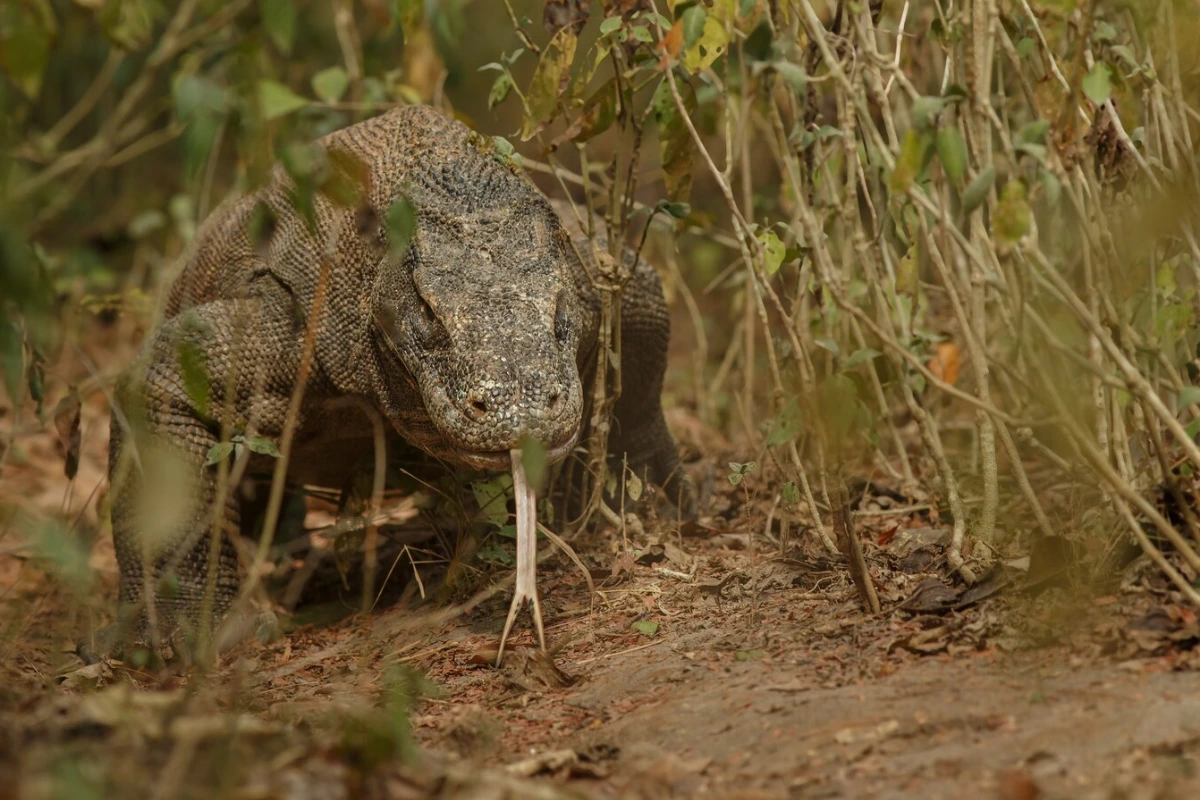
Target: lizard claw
[(526, 588)]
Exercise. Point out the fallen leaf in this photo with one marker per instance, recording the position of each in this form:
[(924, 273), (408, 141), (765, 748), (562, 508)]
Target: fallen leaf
[(646, 627)]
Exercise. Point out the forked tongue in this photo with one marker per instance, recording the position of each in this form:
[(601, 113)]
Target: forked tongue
[(526, 588)]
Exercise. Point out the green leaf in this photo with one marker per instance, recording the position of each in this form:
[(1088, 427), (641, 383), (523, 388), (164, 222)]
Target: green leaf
[(773, 250), (757, 46), (330, 84), (12, 358), (786, 427), (609, 25), (197, 96), (641, 33), (25, 39), (676, 210), (925, 110), (218, 453), (693, 25), (633, 486), (262, 445), (276, 100), (1097, 84), (646, 627), (838, 406), (794, 74), (910, 161), (409, 14), (1035, 132), (860, 357), (977, 190), (746, 7), (492, 498), (1025, 46), (401, 223), (533, 458), (735, 478), (676, 149), (749, 655), (1190, 395), (194, 371), (1051, 186), (952, 151), (599, 111), (279, 19), (550, 78), (791, 494), (1104, 31), (1012, 217), (500, 89), (711, 43)]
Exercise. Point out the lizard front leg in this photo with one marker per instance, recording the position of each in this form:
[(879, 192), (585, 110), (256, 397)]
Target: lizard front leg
[(202, 373)]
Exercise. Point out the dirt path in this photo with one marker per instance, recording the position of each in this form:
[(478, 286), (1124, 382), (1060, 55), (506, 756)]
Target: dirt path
[(705, 668)]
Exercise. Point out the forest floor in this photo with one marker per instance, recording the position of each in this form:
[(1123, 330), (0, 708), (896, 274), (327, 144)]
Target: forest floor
[(709, 662)]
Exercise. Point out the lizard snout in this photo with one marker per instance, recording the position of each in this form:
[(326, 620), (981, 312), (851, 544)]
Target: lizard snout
[(492, 415)]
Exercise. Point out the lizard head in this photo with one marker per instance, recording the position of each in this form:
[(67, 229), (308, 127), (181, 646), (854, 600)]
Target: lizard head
[(484, 316)]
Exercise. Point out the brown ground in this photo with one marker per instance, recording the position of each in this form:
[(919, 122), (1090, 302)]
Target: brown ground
[(710, 665)]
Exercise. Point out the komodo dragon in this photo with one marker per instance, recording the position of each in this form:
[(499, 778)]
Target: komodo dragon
[(475, 337)]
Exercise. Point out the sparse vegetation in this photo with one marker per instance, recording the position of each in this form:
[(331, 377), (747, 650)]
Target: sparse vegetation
[(934, 272)]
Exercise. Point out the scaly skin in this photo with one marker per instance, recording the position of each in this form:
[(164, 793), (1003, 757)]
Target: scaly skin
[(473, 339)]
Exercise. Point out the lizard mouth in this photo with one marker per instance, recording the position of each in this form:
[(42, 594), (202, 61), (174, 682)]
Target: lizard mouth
[(501, 460)]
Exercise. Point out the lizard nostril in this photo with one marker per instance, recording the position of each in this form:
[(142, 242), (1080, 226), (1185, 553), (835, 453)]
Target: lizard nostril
[(477, 406), (554, 400)]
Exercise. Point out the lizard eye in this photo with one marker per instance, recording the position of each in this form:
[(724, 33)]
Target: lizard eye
[(425, 320), (562, 319)]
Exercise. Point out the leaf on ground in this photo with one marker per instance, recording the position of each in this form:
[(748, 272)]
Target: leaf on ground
[(646, 627), (492, 498)]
